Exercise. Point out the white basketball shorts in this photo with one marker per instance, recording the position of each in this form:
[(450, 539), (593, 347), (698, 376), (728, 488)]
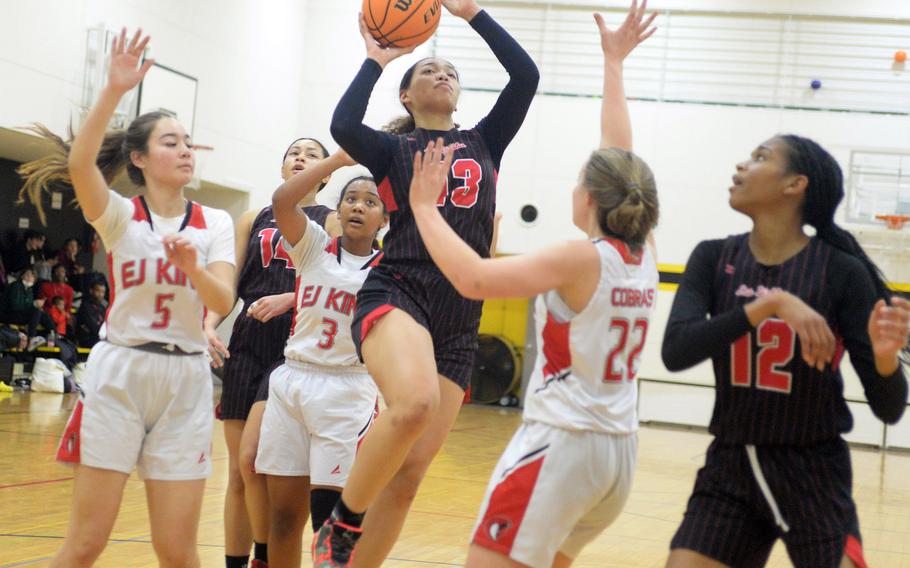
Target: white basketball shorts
[(152, 411), (554, 490), (314, 420)]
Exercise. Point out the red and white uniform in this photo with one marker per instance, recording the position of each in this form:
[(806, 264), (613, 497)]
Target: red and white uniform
[(148, 388), (322, 400), (567, 472)]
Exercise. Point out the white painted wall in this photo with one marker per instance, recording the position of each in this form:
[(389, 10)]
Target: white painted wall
[(246, 54)]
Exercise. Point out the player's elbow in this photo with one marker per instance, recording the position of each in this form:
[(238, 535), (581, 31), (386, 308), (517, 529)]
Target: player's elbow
[(342, 127), (673, 353), (891, 410)]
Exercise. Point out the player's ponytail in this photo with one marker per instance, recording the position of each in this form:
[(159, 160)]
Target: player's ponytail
[(623, 187), (824, 192), (401, 125), (52, 171)]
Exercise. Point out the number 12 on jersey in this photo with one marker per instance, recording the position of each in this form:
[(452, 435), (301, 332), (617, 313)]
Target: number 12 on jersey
[(776, 343)]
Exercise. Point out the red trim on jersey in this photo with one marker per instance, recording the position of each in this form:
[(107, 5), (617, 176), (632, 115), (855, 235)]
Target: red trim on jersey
[(853, 549), (69, 450), (139, 210), (385, 193), (197, 217), (376, 260), (332, 247), (110, 271), (623, 249), (556, 352), (506, 508), (839, 350), (371, 318)]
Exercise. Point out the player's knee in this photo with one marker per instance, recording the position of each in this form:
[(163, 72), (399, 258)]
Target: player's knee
[(285, 522), (235, 478), (247, 466), (415, 412), (83, 552), (173, 554)]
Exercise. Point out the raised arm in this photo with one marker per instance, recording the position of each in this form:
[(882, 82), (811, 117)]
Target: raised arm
[(367, 146), (291, 220), (501, 125), (476, 277), (88, 182), (615, 125)]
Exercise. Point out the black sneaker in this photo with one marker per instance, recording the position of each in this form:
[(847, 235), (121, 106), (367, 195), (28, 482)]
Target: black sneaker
[(333, 545)]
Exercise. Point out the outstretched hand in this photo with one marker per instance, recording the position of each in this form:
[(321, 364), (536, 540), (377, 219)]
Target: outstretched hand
[(464, 9), (431, 169), (618, 43), (379, 54), (889, 327), (124, 74)]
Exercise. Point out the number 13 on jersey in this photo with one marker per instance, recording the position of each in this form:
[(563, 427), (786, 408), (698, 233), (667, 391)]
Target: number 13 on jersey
[(465, 195)]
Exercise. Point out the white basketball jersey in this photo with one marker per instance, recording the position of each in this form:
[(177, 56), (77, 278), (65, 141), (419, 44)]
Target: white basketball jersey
[(151, 300), (584, 376), (328, 279)]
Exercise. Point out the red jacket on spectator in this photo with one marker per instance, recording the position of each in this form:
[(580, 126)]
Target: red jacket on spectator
[(50, 289)]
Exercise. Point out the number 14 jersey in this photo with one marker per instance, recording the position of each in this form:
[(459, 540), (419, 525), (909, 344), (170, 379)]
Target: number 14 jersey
[(328, 279), (584, 376)]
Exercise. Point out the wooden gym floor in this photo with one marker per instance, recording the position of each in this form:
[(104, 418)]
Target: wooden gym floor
[(35, 496)]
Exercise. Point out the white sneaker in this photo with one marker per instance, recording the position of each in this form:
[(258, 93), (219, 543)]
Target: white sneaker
[(36, 342)]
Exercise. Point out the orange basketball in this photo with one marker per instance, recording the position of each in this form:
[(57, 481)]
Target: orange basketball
[(401, 23)]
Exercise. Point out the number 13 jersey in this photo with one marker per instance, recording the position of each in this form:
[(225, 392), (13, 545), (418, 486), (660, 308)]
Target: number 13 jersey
[(584, 376), (152, 301), (328, 279)]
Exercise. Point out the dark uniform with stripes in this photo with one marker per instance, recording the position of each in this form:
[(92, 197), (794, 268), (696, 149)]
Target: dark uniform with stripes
[(406, 278), (257, 347), (769, 399)]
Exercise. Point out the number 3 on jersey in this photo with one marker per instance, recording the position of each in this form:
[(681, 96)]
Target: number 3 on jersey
[(465, 195), (777, 345)]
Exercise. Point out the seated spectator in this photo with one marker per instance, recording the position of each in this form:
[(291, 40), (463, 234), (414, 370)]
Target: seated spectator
[(59, 314), (23, 308), (31, 254), (69, 259), (12, 339), (91, 314), (57, 287)]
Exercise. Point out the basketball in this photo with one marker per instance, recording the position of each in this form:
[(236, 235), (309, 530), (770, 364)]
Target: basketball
[(401, 23)]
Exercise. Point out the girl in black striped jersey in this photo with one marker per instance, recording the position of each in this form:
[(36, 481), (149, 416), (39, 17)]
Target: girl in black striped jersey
[(775, 309), (405, 302)]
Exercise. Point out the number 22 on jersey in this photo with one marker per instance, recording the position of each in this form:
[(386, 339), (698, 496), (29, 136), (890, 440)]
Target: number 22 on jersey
[(776, 344)]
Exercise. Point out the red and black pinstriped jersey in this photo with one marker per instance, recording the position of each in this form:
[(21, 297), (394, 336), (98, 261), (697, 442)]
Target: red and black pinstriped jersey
[(766, 393), (468, 201), (268, 269)]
